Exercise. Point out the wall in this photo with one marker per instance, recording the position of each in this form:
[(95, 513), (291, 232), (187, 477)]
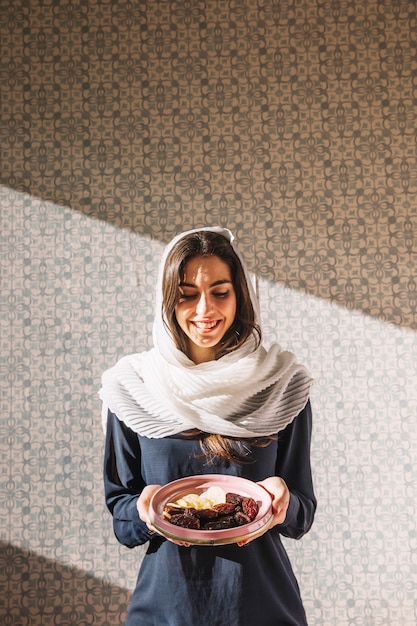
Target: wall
[(293, 123)]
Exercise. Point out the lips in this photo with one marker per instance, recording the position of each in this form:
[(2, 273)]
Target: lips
[(206, 325)]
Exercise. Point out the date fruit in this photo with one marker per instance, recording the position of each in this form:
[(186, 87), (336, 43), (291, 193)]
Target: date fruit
[(237, 510), (186, 520)]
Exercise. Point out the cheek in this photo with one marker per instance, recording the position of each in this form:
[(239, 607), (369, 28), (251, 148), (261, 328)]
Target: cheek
[(231, 312), (180, 314)]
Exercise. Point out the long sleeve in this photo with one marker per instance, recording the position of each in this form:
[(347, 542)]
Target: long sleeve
[(294, 466), (164, 460), (123, 483)]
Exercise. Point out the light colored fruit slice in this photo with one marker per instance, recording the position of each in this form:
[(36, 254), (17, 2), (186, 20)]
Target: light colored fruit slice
[(206, 500), (215, 495)]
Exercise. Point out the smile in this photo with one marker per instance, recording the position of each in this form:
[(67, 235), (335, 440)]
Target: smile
[(206, 325)]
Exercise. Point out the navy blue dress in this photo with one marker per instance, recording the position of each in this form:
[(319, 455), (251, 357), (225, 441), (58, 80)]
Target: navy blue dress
[(209, 585)]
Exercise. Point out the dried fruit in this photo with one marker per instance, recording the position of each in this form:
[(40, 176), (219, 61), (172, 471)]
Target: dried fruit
[(225, 509), (250, 507), (241, 518), (206, 514), (206, 500), (227, 521), (185, 520), (211, 510), (234, 498)]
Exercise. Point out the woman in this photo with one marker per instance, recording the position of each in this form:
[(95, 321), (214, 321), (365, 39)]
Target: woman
[(208, 398)]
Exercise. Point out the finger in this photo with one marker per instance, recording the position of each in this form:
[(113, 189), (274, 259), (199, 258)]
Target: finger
[(151, 528), (282, 512)]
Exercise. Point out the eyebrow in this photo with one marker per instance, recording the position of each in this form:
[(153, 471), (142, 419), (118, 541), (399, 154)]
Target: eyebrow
[(222, 281)]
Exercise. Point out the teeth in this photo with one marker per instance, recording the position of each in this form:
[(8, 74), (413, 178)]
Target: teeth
[(205, 325)]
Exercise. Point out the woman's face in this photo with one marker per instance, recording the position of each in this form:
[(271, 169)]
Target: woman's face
[(207, 305)]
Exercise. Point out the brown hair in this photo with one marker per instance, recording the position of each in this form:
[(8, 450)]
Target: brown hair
[(209, 243)]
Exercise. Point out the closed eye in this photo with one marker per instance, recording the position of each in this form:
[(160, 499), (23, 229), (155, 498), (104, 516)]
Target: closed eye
[(186, 296), (190, 296)]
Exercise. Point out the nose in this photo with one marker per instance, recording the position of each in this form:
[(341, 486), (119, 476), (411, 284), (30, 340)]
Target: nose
[(203, 305)]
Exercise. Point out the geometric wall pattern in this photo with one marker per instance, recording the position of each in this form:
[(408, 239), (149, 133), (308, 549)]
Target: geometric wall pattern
[(292, 123)]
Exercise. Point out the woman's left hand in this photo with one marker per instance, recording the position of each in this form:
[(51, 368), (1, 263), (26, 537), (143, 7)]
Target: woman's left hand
[(280, 494)]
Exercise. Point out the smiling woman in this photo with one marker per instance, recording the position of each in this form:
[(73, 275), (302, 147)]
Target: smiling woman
[(209, 399), (206, 306), (202, 268)]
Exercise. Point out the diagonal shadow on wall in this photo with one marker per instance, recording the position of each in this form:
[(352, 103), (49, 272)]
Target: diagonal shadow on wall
[(305, 149), (35, 591)]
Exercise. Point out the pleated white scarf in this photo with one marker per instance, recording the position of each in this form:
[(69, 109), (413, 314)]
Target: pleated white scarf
[(251, 392)]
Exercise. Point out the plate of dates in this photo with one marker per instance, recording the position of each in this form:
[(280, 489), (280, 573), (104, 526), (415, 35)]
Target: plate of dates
[(211, 509)]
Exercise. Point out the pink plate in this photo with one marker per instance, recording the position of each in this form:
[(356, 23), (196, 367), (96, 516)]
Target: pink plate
[(197, 484)]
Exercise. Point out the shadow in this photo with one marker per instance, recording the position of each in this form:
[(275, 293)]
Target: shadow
[(317, 275), (35, 591), (102, 126)]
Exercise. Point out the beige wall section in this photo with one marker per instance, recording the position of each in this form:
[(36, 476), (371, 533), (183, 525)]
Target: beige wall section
[(292, 123)]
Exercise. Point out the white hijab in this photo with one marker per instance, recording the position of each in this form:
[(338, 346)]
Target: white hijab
[(250, 392)]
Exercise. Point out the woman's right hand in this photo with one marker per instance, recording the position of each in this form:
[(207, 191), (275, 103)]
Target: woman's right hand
[(143, 504)]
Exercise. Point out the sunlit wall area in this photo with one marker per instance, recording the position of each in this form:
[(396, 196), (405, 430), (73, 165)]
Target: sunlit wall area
[(76, 293), (358, 564), (292, 123)]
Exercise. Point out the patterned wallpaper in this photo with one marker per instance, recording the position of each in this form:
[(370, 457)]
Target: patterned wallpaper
[(291, 122)]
